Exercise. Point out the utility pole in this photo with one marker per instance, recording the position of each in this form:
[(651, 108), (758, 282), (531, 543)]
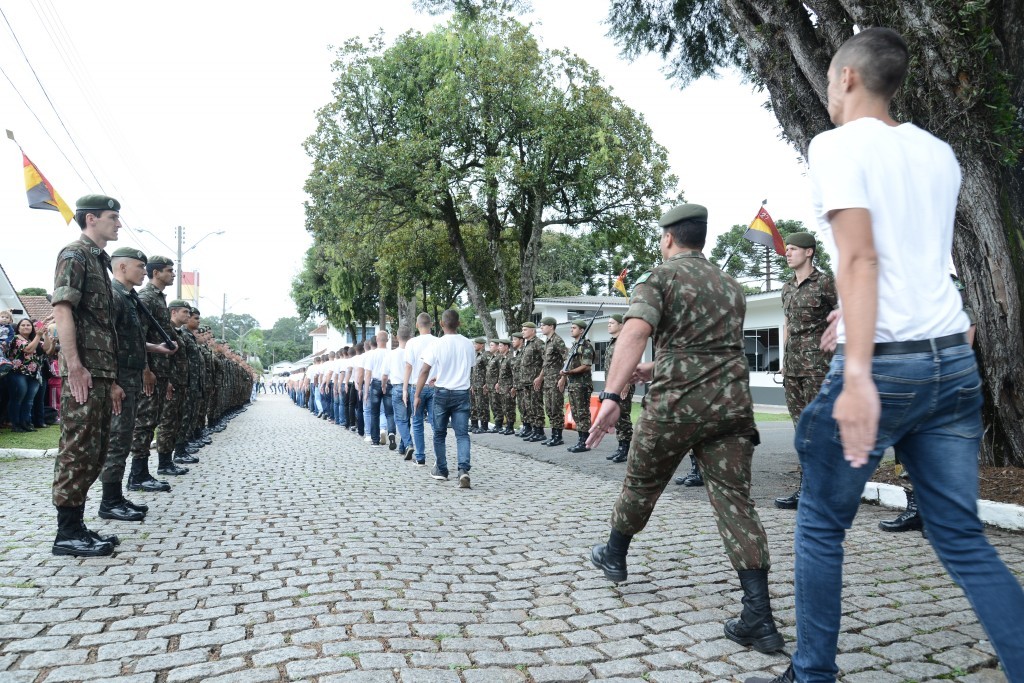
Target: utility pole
[(223, 315), (181, 236)]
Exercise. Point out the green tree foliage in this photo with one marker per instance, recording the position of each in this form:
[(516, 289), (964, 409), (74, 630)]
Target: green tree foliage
[(747, 262), (33, 291), (473, 130), (288, 340)]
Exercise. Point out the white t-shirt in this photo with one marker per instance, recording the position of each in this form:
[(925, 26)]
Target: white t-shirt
[(414, 349), (394, 366), (452, 356), (376, 362), (909, 180)]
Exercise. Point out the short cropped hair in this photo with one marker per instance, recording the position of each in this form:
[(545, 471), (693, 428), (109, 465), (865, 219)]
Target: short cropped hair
[(880, 56), (450, 319), (424, 320), (689, 233), (404, 333)]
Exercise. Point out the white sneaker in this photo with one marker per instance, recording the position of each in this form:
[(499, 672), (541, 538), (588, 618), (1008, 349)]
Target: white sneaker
[(367, 439)]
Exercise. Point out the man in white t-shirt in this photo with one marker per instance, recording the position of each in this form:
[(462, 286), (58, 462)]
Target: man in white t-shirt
[(424, 398), (903, 375), (375, 368), (394, 374), (450, 360)]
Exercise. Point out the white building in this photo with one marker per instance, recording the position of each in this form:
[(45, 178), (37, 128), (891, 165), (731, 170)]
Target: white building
[(762, 330)]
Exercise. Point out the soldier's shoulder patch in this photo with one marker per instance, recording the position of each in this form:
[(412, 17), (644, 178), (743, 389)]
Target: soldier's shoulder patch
[(95, 251), (642, 279), (69, 254)]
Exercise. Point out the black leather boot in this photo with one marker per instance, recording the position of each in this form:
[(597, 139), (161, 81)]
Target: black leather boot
[(183, 457), (788, 676), (509, 430), (792, 501), (498, 426), (908, 520), (74, 539), (611, 557), (473, 429), (112, 506), (538, 435), (112, 539), (756, 626), (139, 478), (556, 438), (523, 430), (622, 454), (165, 466), (581, 444), (694, 478)]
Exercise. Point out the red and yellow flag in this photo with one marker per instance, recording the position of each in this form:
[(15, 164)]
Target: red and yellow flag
[(762, 230), (41, 194), (620, 284), (190, 286)]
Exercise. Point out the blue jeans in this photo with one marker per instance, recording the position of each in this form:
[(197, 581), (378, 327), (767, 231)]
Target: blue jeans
[(380, 401), (368, 418), (339, 408), (20, 397), (426, 408), (931, 411), (454, 406), (401, 417)]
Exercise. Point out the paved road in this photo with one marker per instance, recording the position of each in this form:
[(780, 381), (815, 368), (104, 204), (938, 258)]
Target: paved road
[(296, 552)]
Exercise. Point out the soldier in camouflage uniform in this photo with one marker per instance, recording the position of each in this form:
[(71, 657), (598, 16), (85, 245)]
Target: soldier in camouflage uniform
[(491, 381), (578, 377), (173, 408), (699, 399), (479, 420), (194, 388), (532, 369), (196, 438), (504, 386), (517, 377), (807, 299), (624, 427), (554, 397), (83, 310), (129, 268)]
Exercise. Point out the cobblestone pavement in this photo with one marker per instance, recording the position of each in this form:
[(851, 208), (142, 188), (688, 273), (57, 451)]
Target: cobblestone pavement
[(294, 551)]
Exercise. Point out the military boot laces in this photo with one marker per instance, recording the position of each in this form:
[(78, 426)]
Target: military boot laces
[(908, 520)]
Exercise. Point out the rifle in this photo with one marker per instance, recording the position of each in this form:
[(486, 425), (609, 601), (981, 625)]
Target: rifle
[(576, 345), (168, 342)]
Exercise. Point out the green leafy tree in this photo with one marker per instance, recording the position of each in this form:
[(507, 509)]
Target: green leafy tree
[(33, 291), (965, 85), (747, 262)]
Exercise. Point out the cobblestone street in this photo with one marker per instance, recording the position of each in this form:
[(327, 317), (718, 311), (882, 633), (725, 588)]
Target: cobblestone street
[(294, 551)]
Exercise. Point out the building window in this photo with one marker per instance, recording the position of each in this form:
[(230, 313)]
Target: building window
[(761, 347), (600, 356)]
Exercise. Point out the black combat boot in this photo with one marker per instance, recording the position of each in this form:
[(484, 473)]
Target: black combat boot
[(473, 429), (792, 501), (622, 454), (556, 438), (755, 627), (694, 478), (74, 539), (139, 478), (581, 444), (523, 430), (611, 557), (499, 425), (113, 505), (787, 676), (509, 430), (538, 435), (166, 466), (908, 520), (112, 539), (183, 457)]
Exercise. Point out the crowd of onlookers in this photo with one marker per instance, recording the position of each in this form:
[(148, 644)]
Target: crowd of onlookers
[(29, 377)]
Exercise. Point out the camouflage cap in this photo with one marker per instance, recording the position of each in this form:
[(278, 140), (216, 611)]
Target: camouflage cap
[(161, 261), (617, 317), (531, 325), (548, 320), (580, 323), (517, 335), (683, 212), (506, 342), (97, 202), (804, 240), (129, 252), (479, 340), (179, 303)]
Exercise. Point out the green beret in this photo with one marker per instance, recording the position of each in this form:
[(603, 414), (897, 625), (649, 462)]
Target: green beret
[(531, 325), (617, 317), (129, 252), (580, 323), (506, 342), (97, 202), (160, 261), (804, 240), (548, 320), (517, 335), (683, 212), (179, 303), (479, 340)]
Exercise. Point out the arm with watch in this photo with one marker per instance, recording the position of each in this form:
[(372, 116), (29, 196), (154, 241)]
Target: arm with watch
[(625, 370)]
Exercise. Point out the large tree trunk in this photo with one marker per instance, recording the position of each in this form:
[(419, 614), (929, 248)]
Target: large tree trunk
[(529, 250), (476, 296), (790, 54), (406, 311)]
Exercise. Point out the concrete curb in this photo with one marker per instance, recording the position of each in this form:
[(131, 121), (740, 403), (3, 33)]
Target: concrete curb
[(27, 453), (1000, 515)]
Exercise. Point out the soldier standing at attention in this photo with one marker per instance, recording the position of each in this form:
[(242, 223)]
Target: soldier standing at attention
[(547, 381), (491, 379), (807, 299), (129, 268), (479, 422), (533, 368), (83, 310), (517, 379), (172, 413), (624, 427), (160, 271), (699, 399), (190, 404), (504, 386), (579, 379)]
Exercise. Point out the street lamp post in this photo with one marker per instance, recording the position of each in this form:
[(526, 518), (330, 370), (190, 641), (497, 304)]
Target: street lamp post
[(181, 235)]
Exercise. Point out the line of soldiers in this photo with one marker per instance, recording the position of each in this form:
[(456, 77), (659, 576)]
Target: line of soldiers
[(131, 365), (531, 374)]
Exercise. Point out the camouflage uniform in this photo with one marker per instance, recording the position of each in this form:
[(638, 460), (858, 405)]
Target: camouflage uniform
[(171, 411), (516, 365), (494, 401), (624, 427), (806, 306), (150, 407), (477, 381), (131, 361), (554, 400), (699, 399), (532, 363), (506, 382), (204, 401), (81, 280), (579, 387), (194, 393)]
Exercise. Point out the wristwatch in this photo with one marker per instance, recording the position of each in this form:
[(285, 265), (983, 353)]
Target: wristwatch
[(607, 394)]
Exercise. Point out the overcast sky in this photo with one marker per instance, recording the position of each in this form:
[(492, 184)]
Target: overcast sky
[(194, 114)]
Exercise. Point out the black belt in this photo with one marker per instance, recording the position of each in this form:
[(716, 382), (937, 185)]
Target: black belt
[(919, 346)]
